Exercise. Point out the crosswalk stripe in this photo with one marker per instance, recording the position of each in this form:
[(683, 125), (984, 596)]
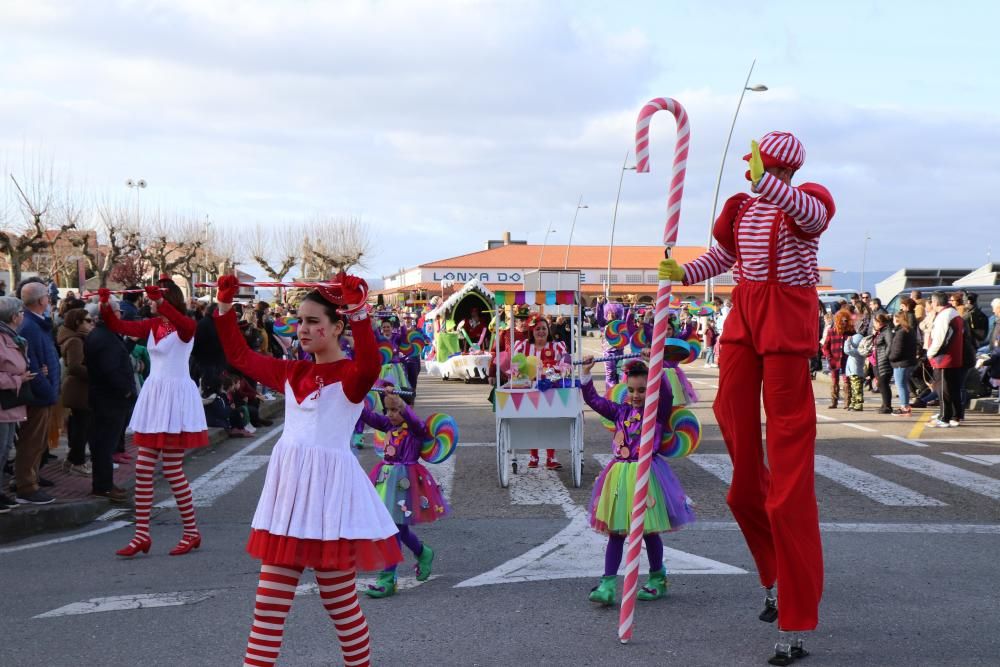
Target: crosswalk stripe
[(970, 481), (872, 486), (716, 464)]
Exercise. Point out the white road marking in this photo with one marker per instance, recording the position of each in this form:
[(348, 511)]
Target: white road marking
[(444, 474), (918, 528), (872, 486), (963, 439), (981, 459), (825, 418), (860, 427), (68, 538), (402, 584), (127, 602), (577, 549), (719, 465), (227, 475), (970, 481), (905, 441)]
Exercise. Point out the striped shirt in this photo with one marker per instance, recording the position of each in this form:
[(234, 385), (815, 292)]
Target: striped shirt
[(550, 354), (796, 257)]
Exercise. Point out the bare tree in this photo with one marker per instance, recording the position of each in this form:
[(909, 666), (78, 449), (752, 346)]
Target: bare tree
[(335, 244), (276, 250), (114, 237), (170, 242)]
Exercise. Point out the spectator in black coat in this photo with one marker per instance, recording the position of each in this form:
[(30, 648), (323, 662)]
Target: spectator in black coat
[(111, 390), (903, 358), (883, 367)]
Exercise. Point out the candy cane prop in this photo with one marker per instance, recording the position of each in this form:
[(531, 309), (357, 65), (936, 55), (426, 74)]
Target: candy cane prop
[(627, 615), (613, 357)]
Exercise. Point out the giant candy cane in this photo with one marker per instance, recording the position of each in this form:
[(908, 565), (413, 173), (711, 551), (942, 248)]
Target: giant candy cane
[(627, 616)]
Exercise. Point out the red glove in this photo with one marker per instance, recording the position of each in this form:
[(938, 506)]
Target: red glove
[(154, 293), (104, 295), (228, 286), (353, 289)]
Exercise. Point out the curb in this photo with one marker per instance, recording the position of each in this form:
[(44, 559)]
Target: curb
[(990, 406), (28, 520)]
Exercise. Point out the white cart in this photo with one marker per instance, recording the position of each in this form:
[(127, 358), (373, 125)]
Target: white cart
[(553, 418)]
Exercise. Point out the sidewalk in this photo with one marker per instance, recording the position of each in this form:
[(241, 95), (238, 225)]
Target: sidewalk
[(74, 506), (985, 404)]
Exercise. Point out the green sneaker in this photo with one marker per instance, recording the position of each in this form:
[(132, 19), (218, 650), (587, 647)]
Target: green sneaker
[(604, 592), (358, 440), (424, 561), (385, 585), (656, 586)]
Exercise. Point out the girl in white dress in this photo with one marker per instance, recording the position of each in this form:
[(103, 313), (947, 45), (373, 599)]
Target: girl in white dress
[(318, 508)]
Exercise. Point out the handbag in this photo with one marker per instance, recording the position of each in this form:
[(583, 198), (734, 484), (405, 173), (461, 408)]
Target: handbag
[(13, 399)]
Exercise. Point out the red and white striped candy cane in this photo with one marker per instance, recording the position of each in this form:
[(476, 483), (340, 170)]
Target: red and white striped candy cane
[(627, 616)]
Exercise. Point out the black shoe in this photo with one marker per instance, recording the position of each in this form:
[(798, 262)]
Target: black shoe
[(783, 656), (37, 498), (918, 404), (46, 483), (770, 612), (115, 495), (7, 501), (885, 411)]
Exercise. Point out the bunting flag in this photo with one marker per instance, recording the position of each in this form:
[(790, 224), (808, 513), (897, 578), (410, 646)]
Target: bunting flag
[(502, 398), (532, 298), (518, 399), (533, 397)]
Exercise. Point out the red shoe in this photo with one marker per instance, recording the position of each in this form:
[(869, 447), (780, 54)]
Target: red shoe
[(552, 464), (533, 462), (135, 546), (187, 543)]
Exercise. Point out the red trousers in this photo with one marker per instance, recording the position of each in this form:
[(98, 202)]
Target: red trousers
[(769, 337)]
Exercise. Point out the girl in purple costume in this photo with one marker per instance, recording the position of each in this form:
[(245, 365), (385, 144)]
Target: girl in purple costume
[(611, 503), (407, 488)]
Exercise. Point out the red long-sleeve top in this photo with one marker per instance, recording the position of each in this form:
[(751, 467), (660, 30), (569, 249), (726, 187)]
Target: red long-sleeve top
[(160, 328), (357, 375)]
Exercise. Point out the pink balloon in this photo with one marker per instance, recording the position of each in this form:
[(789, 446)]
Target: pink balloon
[(503, 362)]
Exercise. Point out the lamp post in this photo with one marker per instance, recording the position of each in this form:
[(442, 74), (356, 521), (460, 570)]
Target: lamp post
[(864, 256), (579, 205), (758, 88), (137, 185), (544, 241), (614, 219)]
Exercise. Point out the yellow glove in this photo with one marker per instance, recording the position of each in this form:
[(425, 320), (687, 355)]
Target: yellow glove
[(670, 270), (756, 164)]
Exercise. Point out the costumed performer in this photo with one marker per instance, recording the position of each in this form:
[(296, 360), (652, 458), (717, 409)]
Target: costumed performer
[(168, 417), (392, 370), (317, 508), (612, 311), (611, 502), (550, 353), (768, 340), (409, 491)]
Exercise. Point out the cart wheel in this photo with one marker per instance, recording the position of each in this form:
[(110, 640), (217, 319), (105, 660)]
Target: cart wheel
[(576, 458), (503, 454), (513, 466)]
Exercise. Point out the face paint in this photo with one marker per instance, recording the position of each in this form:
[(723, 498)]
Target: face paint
[(321, 332)]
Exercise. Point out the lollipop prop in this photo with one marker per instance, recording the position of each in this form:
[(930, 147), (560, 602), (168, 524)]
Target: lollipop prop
[(611, 357), (398, 392), (627, 616)]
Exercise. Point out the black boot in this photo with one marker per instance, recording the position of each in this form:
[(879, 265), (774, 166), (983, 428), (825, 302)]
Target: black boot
[(787, 653), (770, 612)]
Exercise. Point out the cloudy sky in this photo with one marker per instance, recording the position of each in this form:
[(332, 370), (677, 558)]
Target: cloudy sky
[(443, 124)]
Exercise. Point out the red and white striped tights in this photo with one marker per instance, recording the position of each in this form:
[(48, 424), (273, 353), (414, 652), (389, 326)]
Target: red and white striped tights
[(173, 471), (275, 592)]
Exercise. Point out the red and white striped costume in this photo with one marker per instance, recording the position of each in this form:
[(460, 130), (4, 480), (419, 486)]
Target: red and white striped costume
[(549, 354), (770, 335)]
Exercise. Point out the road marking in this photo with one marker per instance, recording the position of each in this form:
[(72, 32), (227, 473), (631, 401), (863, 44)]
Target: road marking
[(860, 427), (68, 538), (402, 584), (444, 475), (907, 441), (872, 486), (127, 602), (919, 528), (970, 481), (981, 459), (719, 465), (825, 418), (918, 428), (964, 440), (227, 475), (577, 549)]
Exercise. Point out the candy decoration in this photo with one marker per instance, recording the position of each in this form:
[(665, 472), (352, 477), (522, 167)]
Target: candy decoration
[(417, 339), (373, 401), (405, 348), (682, 434), (444, 437), (617, 394), (385, 352), (626, 617), (380, 440), (640, 339), (286, 326), (615, 333), (676, 350)]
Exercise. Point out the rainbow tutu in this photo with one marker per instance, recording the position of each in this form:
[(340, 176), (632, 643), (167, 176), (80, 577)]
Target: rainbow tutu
[(667, 506), (409, 492)]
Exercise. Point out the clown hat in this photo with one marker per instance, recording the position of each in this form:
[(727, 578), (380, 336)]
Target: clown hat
[(781, 149)]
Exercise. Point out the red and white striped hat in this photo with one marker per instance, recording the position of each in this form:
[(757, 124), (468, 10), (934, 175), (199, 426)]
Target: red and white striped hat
[(781, 149)]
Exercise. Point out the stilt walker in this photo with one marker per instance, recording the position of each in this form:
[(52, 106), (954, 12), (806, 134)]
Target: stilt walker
[(769, 338), (168, 418), (317, 508)]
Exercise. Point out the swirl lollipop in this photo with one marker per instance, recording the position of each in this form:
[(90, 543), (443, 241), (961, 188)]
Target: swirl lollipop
[(373, 401), (417, 339), (405, 348), (385, 352), (676, 350), (444, 438), (286, 326), (682, 434), (616, 333), (640, 339), (380, 440), (617, 394), (694, 342)]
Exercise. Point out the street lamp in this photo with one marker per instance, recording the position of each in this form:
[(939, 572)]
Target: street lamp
[(864, 256), (579, 205), (757, 88), (614, 219), (544, 241), (137, 185)]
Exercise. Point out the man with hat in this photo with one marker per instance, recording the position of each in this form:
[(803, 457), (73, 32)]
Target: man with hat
[(508, 340), (771, 241)]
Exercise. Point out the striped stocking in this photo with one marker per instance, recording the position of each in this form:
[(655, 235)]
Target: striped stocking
[(173, 470), (145, 465), (275, 593), (338, 589)]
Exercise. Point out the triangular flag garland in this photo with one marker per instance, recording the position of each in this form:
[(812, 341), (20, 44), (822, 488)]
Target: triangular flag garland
[(502, 399), (533, 396), (532, 298), (518, 399)]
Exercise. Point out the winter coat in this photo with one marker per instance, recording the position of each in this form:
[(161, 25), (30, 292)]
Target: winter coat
[(945, 349), (883, 341), (855, 360), (903, 349), (13, 366), (109, 366), (833, 349), (74, 387), (37, 331)]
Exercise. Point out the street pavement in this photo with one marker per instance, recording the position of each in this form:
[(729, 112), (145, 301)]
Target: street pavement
[(911, 531)]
